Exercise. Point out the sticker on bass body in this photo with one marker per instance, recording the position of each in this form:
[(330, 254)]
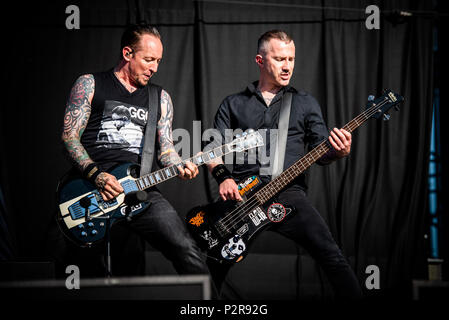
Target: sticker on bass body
[(257, 216), (207, 235), (198, 219), (276, 212), (234, 248), (248, 185)]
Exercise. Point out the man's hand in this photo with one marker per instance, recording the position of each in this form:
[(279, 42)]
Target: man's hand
[(189, 171), (228, 190), (341, 140), (108, 186)]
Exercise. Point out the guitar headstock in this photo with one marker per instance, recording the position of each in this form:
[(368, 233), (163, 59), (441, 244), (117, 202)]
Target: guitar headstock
[(378, 108), (247, 140)]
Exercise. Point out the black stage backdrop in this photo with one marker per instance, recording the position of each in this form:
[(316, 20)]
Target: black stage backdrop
[(374, 201)]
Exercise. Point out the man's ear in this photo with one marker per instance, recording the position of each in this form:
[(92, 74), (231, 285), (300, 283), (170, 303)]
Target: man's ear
[(259, 60), (127, 51)]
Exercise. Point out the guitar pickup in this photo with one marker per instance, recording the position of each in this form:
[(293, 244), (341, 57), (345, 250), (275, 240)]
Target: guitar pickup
[(221, 229)]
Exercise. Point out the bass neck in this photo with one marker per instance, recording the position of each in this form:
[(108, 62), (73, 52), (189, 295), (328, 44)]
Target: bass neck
[(280, 182)]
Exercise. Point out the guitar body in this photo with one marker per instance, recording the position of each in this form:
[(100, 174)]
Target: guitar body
[(225, 229), (72, 216), (74, 192)]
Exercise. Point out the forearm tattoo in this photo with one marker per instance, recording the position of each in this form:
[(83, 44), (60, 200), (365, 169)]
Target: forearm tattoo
[(167, 153), (76, 115)]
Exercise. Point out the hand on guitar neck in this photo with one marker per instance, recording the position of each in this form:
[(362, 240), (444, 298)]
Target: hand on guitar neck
[(341, 141), (188, 171)]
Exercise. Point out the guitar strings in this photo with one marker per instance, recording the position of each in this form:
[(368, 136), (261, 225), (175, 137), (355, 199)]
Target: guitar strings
[(239, 213), (194, 159), (253, 202), (287, 172), (367, 114)]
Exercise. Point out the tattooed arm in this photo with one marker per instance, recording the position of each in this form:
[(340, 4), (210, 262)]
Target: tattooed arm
[(167, 154), (76, 116)]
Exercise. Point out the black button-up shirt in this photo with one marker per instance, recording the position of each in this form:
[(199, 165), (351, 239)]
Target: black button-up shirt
[(248, 110)]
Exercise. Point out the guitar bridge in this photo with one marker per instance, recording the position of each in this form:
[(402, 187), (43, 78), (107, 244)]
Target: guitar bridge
[(96, 202)]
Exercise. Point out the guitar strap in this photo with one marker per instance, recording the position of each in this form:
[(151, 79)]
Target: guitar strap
[(281, 142), (149, 146)]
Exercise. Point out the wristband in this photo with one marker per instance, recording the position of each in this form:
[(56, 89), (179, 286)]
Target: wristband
[(91, 172), (221, 173)]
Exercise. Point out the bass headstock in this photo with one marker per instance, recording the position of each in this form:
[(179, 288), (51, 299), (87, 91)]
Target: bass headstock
[(378, 108)]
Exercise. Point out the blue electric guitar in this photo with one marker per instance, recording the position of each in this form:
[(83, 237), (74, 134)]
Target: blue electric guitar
[(82, 210)]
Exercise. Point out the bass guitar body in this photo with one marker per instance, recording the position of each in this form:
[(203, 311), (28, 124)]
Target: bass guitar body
[(225, 229)]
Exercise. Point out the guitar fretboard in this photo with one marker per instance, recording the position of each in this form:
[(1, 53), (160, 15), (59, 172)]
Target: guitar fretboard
[(167, 173), (286, 177)]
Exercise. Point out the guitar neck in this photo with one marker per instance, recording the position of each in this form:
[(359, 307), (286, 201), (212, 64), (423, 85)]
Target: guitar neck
[(172, 171), (286, 177)]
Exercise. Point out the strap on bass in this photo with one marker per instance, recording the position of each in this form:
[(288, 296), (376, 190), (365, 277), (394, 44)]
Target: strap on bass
[(281, 143)]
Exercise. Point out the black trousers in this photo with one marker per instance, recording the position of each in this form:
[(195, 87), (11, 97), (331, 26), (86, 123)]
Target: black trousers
[(307, 228), (161, 226)]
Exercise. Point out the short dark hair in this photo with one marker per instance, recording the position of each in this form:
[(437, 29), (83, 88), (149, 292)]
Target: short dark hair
[(133, 33), (272, 34)]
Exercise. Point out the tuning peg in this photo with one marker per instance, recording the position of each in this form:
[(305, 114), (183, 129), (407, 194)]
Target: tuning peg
[(238, 135), (244, 134), (370, 97), (250, 131), (386, 117)]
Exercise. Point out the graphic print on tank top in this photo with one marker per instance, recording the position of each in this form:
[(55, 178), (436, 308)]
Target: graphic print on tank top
[(122, 127)]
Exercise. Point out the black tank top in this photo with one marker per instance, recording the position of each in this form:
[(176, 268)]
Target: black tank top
[(116, 127)]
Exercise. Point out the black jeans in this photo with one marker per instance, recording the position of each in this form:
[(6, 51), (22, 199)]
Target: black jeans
[(307, 228), (161, 227)]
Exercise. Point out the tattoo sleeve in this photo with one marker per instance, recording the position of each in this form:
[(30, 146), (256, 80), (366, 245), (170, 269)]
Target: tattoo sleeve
[(167, 153), (76, 115)]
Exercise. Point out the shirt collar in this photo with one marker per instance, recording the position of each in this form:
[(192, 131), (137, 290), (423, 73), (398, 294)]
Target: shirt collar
[(252, 89)]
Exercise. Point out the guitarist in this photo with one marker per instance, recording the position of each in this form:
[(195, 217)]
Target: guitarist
[(104, 124), (258, 107)]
